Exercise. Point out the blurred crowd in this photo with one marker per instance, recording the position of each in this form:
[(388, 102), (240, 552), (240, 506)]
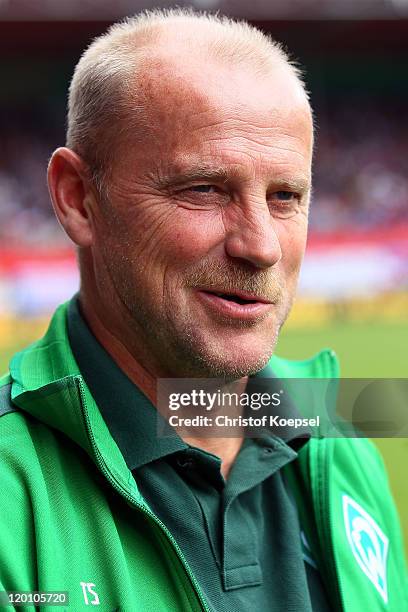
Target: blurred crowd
[(26, 216), (361, 168), (360, 176)]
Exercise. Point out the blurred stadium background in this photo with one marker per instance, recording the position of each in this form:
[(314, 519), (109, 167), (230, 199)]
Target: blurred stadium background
[(354, 287)]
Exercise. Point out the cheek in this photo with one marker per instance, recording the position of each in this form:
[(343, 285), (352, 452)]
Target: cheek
[(190, 236), (292, 238)]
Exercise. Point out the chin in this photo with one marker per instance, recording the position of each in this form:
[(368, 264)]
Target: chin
[(210, 353), (233, 363)]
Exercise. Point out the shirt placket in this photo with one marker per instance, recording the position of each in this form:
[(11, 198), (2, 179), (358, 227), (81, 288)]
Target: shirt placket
[(242, 513)]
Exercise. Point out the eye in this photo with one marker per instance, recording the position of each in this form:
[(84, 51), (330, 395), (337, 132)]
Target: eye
[(286, 196), (284, 204), (205, 196), (202, 188)]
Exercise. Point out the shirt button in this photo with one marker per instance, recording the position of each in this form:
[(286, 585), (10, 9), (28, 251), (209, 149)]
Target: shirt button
[(267, 450)]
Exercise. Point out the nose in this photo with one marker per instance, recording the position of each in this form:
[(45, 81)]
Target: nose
[(251, 237)]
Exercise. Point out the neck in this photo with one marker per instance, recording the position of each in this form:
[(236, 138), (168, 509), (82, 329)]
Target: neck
[(119, 353), (225, 448)]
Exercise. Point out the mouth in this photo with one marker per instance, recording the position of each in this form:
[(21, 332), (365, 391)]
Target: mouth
[(235, 305), (239, 297)]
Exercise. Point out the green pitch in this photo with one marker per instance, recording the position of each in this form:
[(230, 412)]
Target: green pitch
[(366, 350)]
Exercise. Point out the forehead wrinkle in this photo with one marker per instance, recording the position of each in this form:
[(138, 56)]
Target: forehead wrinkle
[(263, 148), (213, 120)]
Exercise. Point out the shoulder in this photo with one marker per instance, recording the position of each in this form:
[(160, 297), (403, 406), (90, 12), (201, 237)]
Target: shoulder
[(28, 447), (349, 464), (17, 456), (362, 453), (13, 424), (17, 448), (344, 469)]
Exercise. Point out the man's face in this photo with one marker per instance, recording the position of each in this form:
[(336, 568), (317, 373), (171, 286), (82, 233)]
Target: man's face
[(201, 240)]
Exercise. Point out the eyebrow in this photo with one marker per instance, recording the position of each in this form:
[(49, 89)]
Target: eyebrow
[(198, 172), (301, 184)]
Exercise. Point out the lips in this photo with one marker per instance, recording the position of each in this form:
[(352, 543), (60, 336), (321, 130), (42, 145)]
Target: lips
[(234, 298), (239, 297), (235, 305)]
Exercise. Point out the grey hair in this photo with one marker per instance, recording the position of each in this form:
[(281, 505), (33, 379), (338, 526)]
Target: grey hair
[(100, 93)]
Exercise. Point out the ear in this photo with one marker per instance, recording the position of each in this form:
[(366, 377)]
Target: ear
[(71, 195)]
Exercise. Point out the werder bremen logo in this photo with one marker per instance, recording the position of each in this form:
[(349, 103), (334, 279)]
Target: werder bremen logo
[(368, 543)]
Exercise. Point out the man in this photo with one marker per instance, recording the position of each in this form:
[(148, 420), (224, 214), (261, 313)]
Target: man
[(185, 185)]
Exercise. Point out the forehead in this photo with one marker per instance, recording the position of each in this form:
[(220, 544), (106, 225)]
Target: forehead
[(179, 89), (196, 108)]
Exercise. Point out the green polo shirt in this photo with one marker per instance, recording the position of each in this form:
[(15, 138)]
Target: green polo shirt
[(241, 537)]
